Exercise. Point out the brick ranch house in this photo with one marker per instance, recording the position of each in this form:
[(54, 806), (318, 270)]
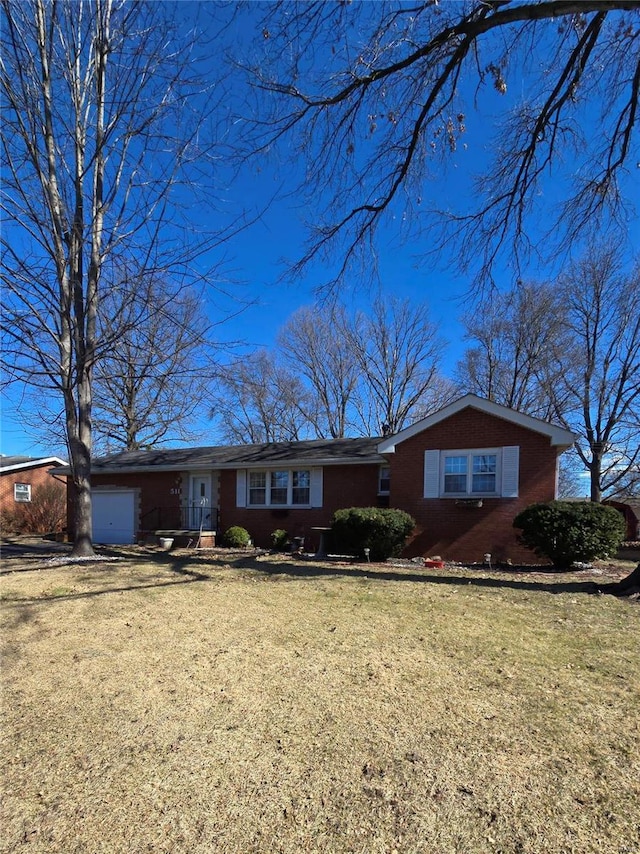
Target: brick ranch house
[(20, 478), (463, 473)]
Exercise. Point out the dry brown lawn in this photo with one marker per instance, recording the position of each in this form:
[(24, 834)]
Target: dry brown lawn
[(212, 702)]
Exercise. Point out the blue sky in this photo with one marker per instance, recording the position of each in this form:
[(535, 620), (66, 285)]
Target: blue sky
[(254, 258)]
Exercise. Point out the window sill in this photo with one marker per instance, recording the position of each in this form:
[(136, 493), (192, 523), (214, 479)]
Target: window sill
[(278, 507), (477, 497)]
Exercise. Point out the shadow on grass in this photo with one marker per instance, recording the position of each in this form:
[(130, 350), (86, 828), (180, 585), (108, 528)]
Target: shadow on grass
[(313, 570), (197, 566), (184, 570)]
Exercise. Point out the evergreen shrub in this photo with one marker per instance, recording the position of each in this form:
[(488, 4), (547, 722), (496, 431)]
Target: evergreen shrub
[(568, 532), (382, 530), (236, 537)]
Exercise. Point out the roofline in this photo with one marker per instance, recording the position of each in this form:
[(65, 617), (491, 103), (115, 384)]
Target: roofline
[(262, 464), (32, 464), (558, 436)]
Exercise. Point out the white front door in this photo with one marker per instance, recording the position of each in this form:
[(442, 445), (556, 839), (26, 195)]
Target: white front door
[(200, 514)]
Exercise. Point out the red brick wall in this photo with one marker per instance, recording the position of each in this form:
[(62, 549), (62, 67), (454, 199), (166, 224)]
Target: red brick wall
[(466, 533), (343, 486), (159, 508), (632, 520), (35, 476)]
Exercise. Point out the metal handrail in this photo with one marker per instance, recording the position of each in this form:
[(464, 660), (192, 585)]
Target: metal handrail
[(195, 516), (189, 517)]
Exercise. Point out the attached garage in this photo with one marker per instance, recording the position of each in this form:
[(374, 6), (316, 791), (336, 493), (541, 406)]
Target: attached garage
[(114, 516)]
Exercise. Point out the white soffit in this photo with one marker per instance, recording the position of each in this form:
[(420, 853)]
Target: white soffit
[(36, 462)]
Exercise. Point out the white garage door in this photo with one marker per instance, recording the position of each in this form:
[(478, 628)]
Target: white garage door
[(113, 516)]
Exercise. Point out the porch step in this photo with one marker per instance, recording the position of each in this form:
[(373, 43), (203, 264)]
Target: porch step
[(185, 538)]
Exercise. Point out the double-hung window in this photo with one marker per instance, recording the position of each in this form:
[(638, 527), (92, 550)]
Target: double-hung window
[(282, 488), (301, 487), (470, 473), (257, 487), (22, 492), (279, 492)]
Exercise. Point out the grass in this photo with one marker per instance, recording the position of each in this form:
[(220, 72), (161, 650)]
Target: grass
[(224, 703)]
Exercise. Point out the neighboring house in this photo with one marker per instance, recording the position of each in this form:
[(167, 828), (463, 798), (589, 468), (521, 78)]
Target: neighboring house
[(20, 478), (630, 509), (463, 473)]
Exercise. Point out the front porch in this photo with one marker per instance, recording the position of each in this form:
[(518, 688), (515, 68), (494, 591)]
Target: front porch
[(180, 538), (190, 518)]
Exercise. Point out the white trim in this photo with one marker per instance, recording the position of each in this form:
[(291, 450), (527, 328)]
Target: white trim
[(557, 435), (315, 488), (241, 488), (29, 494), (470, 453), (31, 464)]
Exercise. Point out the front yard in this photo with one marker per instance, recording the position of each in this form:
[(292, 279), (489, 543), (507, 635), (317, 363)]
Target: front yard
[(223, 702)]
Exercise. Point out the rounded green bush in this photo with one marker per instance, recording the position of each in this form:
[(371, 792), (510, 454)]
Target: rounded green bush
[(383, 531), (567, 532), (237, 537), (279, 540)]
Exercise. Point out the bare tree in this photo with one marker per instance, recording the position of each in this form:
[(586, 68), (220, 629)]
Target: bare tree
[(597, 380), (377, 96), (517, 336), (398, 349), (332, 374), (315, 343), (569, 483), (259, 401), (149, 385), (100, 132)]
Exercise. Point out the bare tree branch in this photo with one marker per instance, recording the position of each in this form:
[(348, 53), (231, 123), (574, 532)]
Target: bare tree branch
[(375, 119)]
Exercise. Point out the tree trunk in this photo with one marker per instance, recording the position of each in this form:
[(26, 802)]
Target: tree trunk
[(629, 586), (79, 433), (595, 469), (82, 522)]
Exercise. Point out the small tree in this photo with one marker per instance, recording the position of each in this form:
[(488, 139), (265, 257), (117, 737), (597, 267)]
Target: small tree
[(567, 532)]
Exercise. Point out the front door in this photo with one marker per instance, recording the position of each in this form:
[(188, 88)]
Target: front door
[(200, 514)]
